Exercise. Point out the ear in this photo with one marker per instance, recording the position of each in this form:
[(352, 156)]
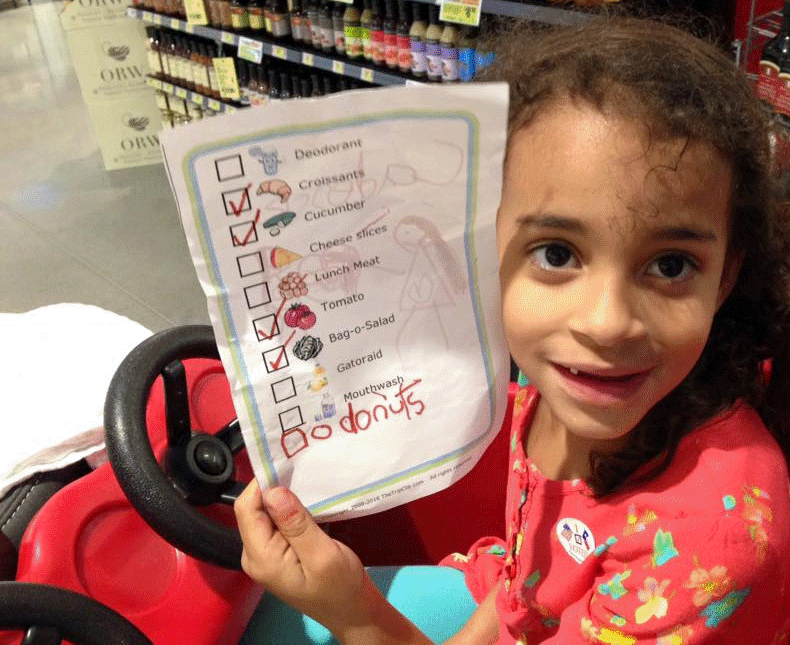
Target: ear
[(729, 275)]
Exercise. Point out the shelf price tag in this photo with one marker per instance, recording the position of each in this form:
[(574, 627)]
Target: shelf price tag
[(462, 12), (196, 12), (181, 92), (214, 104), (251, 50), (366, 74), (226, 75), (228, 38), (279, 52), (338, 67), (308, 59), (157, 19)]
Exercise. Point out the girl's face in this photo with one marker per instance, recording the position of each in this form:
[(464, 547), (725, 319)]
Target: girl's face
[(613, 263)]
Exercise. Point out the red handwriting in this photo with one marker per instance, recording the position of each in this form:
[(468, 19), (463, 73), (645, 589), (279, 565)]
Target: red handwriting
[(245, 197), (247, 237), (405, 402)]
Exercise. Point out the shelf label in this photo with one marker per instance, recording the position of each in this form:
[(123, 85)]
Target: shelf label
[(157, 19), (279, 52), (189, 28), (338, 67), (228, 38), (251, 50), (181, 92), (462, 12), (214, 104), (154, 82), (366, 74), (196, 12), (308, 59), (226, 76)]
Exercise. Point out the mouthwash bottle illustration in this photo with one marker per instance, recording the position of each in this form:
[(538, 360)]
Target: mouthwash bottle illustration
[(328, 405)]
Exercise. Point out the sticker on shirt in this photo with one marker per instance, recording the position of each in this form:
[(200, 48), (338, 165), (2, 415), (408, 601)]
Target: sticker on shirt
[(576, 538)]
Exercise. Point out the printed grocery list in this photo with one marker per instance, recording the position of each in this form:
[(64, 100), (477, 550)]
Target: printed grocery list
[(346, 248)]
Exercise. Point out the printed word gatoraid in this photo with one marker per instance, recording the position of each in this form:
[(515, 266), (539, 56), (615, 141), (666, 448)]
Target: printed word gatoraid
[(361, 360), (328, 149)]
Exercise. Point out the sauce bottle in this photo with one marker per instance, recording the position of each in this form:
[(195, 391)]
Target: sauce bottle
[(285, 86), (417, 38), (243, 76), (226, 19), (404, 41), (433, 50), (314, 12), (257, 18), (466, 54), (364, 25), (281, 23), (352, 28), (212, 52), (327, 30), (390, 34), (274, 85), (315, 82), (239, 15), (448, 43), (339, 28), (377, 33), (152, 52), (296, 21)]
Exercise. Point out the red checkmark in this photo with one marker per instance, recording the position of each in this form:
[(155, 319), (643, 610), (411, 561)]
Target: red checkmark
[(261, 335), (276, 364), (245, 197), (247, 237)]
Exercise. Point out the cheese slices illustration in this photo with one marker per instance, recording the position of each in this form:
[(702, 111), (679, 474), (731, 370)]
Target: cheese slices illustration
[(281, 257)]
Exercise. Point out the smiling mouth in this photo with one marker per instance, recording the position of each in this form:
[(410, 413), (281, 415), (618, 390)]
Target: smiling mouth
[(602, 389)]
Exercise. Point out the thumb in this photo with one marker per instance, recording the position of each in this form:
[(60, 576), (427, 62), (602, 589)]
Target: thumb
[(295, 523)]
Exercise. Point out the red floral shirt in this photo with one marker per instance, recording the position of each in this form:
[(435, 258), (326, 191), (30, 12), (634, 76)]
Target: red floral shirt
[(700, 555)]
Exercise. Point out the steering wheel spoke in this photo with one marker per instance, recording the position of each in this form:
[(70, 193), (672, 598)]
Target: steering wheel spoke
[(231, 436), (179, 427), (42, 636), (231, 494)]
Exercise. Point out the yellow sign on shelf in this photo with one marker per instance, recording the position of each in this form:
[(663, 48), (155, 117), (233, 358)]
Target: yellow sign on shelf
[(226, 75), (338, 67), (366, 74), (196, 12), (462, 12), (279, 52)]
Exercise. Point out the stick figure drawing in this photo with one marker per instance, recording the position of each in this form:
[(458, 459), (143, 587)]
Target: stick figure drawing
[(433, 282)]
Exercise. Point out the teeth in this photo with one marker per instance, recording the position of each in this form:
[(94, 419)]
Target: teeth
[(573, 371)]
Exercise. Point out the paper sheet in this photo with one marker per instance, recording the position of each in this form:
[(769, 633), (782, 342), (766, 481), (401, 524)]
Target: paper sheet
[(346, 247)]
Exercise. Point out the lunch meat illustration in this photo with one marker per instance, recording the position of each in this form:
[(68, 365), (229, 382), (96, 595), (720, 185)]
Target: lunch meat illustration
[(281, 257), (308, 347), (292, 286)]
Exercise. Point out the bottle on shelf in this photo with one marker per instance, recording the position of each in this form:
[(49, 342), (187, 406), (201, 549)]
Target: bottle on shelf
[(403, 39), (212, 52), (296, 21), (364, 27), (257, 18), (377, 33), (268, 11), (274, 84), (433, 50), (417, 38), (315, 83), (172, 60), (243, 77), (448, 44), (281, 23), (771, 60), (315, 23), (239, 15), (352, 30), (327, 29), (285, 86), (215, 14), (260, 94), (338, 28), (390, 35), (159, 6), (195, 65), (226, 15), (466, 54), (152, 53), (202, 83)]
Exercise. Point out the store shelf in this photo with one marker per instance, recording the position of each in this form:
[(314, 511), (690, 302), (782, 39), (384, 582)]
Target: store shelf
[(193, 97), (343, 67)]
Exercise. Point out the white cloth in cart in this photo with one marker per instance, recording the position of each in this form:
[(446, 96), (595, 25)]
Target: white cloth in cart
[(58, 362)]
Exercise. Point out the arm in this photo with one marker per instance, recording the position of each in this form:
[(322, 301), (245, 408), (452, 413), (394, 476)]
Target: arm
[(287, 553)]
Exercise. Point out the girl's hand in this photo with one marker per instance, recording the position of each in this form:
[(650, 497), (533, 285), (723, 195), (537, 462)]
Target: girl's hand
[(287, 553)]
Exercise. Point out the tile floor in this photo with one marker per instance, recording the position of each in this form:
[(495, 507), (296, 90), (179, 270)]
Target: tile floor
[(69, 230)]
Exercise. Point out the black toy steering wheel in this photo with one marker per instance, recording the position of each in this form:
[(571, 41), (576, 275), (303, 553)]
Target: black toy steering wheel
[(198, 468), (50, 615)]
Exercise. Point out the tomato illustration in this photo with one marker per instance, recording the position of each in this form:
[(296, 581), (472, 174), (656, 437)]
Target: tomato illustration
[(299, 315)]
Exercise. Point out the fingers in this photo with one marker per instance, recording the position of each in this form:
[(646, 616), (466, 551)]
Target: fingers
[(253, 520), (296, 525)]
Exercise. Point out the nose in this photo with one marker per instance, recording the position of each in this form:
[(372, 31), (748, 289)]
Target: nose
[(606, 312)]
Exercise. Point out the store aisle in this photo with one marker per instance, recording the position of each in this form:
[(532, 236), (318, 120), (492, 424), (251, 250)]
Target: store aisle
[(69, 230)]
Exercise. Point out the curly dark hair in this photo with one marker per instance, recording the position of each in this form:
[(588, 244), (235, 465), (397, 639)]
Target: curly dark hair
[(680, 87)]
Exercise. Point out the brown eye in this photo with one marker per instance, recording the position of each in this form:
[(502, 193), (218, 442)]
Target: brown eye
[(675, 266), (552, 256)]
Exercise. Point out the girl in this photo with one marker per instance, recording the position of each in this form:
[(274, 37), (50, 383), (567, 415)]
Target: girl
[(644, 273)]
